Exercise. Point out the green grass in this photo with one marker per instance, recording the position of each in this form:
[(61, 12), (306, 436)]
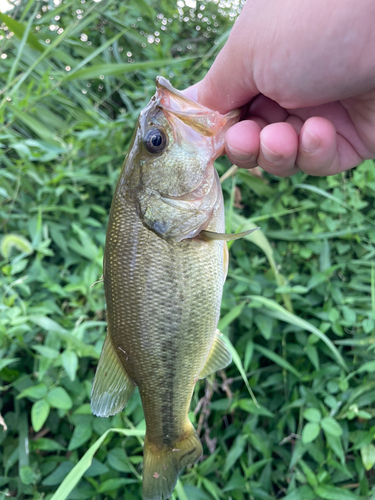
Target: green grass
[(293, 416)]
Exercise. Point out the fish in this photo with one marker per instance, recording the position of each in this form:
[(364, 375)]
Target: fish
[(165, 263)]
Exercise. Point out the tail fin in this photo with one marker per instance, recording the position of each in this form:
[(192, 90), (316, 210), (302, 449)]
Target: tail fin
[(162, 466)]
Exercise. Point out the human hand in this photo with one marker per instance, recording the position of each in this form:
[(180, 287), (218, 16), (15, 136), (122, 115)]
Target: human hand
[(304, 73)]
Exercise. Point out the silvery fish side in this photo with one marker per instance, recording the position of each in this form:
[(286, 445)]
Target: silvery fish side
[(164, 268)]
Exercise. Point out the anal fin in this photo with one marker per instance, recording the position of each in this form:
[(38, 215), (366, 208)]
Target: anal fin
[(112, 386), (218, 358)]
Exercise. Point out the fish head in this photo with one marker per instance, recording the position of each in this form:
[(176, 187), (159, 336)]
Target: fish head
[(169, 168)]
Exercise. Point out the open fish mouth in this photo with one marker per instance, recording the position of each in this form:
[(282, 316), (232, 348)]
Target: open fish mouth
[(203, 120)]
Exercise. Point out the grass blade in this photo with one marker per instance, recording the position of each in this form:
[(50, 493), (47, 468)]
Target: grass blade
[(237, 361), (292, 236), (179, 490), (330, 196), (36, 126), (119, 69), (13, 87), (25, 37), (255, 184), (292, 319), (277, 359), (26, 9), (19, 30), (260, 240), (81, 467), (231, 316), (94, 54), (223, 323)]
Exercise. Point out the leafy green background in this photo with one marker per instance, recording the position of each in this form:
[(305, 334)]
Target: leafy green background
[(299, 302)]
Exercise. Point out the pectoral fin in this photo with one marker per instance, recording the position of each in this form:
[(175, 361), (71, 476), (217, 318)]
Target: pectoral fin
[(218, 358), (210, 236), (112, 386)]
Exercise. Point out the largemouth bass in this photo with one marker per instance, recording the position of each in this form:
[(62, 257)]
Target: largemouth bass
[(164, 268)]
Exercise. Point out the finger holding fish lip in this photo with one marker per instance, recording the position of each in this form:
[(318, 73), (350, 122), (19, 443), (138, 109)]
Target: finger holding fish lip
[(242, 143), (254, 142), (278, 149), (281, 141), (273, 147)]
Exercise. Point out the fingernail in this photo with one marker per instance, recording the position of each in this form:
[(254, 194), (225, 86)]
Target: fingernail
[(238, 155), (270, 155), (310, 142)]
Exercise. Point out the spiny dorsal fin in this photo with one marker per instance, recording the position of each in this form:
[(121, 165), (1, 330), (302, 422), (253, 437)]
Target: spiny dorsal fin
[(211, 236), (218, 358), (112, 386)]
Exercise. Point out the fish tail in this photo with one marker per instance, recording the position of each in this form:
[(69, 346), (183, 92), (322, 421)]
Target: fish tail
[(162, 466)]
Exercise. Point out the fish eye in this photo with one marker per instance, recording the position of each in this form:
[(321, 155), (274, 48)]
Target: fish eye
[(155, 140)]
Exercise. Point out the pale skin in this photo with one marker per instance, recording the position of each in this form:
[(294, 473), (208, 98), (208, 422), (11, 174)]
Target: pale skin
[(304, 73)]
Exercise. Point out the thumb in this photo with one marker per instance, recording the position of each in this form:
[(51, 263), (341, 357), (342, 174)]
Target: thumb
[(229, 83)]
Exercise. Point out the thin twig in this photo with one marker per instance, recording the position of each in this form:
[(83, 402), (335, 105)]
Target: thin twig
[(229, 173)]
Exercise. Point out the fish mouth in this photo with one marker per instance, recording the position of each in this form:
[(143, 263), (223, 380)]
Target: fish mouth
[(204, 120)]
